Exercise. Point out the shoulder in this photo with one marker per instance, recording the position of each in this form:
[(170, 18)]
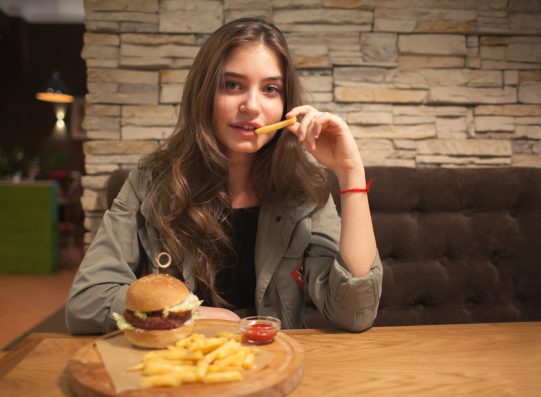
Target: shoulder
[(139, 180)]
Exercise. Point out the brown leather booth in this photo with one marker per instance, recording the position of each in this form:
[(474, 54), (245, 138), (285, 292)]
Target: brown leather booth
[(457, 245)]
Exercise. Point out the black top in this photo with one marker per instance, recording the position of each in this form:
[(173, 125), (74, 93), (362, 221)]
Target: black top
[(236, 281)]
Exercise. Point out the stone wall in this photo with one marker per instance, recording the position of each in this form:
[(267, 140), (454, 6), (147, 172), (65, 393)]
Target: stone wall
[(439, 83)]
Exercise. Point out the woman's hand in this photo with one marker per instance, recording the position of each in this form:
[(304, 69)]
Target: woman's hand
[(217, 313), (328, 138)]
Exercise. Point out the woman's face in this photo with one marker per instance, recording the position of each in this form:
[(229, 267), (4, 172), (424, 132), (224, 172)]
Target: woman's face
[(250, 97)]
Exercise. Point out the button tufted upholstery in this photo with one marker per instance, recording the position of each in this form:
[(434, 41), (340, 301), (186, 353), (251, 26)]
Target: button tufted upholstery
[(458, 245)]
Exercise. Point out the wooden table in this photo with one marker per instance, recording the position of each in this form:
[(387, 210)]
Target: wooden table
[(440, 360)]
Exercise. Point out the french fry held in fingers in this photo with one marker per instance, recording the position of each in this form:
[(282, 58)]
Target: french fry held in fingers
[(197, 359), (274, 127)]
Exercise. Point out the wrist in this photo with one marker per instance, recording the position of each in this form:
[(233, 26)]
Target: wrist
[(365, 189), (348, 179)]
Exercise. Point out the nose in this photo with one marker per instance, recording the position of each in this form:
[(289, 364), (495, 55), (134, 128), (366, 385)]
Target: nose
[(250, 103)]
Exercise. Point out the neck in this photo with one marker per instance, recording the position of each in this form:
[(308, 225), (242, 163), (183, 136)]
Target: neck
[(240, 186)]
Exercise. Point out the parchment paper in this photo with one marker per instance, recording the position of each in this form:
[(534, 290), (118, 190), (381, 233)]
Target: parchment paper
[(118, 354)]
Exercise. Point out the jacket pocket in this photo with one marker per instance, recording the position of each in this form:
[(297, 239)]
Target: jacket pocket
[(290, 291)]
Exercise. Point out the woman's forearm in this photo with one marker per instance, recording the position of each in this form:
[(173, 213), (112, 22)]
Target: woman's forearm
[(357, 240)]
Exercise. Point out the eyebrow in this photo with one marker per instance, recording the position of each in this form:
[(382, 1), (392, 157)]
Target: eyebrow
[(241, 76)]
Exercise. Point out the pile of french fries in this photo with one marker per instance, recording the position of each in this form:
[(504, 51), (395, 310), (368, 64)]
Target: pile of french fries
[(197, 358)]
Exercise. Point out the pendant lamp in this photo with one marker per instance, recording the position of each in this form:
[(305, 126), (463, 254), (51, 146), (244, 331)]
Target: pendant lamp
[(55, 90)]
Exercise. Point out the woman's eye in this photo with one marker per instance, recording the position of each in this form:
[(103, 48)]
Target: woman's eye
[(231, 85), (272, 89)]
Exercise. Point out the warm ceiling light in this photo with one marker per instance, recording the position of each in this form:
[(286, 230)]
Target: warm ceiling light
[(55, 90), (54, 97)]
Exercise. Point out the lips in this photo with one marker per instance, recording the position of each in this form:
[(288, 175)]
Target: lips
[(245, 126)]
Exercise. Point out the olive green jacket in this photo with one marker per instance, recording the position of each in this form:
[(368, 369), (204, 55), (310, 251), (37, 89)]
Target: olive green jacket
[(296, 260)]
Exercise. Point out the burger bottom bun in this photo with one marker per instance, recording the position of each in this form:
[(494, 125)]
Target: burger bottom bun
[(157, 339)]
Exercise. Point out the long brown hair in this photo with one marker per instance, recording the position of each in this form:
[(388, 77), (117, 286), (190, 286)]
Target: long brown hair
[(189, 189)]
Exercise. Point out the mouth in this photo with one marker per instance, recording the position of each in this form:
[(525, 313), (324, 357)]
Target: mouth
[(245, 128)]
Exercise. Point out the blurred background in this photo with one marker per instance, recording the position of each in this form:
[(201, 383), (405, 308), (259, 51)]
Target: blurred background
[(41, 158)]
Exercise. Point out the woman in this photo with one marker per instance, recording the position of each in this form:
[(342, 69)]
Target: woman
[(247, 218)]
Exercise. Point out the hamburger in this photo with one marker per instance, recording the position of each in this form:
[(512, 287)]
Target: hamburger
[(158, 311)]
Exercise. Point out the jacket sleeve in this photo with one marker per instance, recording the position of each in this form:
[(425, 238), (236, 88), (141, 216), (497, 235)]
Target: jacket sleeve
[(349, 302), (108, 268)]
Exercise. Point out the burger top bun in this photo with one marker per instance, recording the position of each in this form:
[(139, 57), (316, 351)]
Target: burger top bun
[(155, 292)]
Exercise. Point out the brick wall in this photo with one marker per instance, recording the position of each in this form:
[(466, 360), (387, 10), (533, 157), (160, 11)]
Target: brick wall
[(439, 83)]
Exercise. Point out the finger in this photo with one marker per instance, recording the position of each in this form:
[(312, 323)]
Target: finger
[(313, 135), (332, 123), (294, 129), (306, 124), (309, 140), (300, 111)]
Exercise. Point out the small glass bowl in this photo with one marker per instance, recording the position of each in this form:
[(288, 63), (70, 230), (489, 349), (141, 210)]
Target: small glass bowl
[(259, 330)]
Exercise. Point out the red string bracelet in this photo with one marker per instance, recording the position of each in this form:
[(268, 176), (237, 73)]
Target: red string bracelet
[(358, 190)]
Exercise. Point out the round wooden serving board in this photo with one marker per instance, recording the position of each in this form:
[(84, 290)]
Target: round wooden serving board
[(88, 376)]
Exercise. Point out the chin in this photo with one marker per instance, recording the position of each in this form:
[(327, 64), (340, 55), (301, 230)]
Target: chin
[(246, 147)]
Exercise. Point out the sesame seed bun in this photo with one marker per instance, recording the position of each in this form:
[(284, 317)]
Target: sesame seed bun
[(155, 292)]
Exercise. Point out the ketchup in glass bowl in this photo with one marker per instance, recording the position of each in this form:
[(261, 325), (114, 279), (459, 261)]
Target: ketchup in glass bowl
[(259, 330)]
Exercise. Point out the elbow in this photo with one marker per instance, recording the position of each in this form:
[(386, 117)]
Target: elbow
[(350, 319), (75, 324), (363, 320), (359, 321), (80, 321), (71, 320), (91, 311)]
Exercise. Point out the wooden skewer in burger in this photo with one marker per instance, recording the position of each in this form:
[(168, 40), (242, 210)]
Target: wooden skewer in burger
[(158, 309)]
